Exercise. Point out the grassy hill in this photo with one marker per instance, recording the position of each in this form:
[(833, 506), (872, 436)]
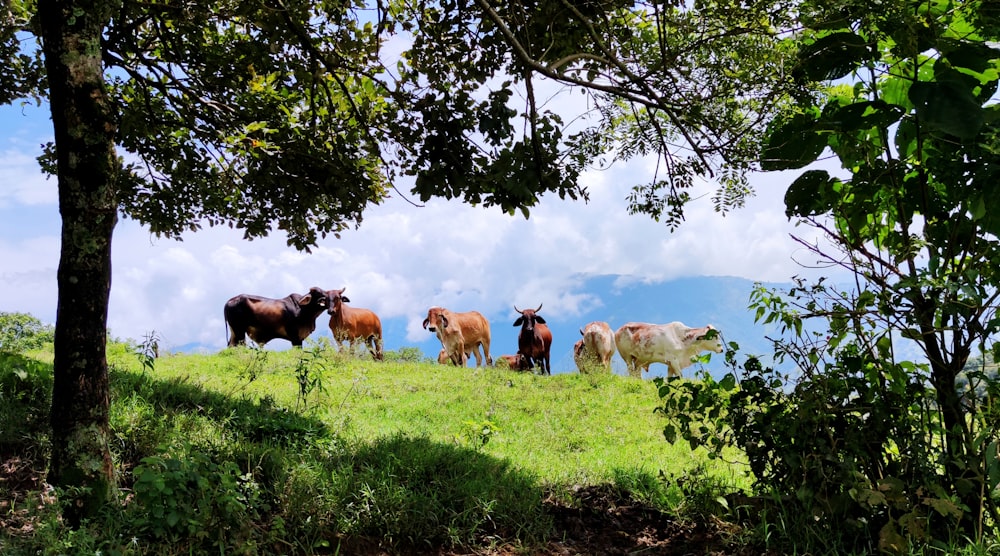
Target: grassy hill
[(251, 451)]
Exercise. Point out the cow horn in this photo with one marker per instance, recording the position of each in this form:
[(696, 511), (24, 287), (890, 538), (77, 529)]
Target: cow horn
[(518, 310), (539, 308)]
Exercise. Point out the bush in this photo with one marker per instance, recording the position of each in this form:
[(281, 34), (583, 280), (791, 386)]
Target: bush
[(20, 332)]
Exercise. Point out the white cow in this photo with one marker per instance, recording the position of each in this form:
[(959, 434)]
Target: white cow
[(596, 347), (674, 344)]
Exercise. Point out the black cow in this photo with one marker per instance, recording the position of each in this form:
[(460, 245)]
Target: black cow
[(535, 339), (291, 318)]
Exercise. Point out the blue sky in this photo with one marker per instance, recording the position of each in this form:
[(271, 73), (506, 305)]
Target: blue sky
[(402, 260)]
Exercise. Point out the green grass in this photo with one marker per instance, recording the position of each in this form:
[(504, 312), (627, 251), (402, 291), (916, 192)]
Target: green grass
[(307, 451), (310, 452)]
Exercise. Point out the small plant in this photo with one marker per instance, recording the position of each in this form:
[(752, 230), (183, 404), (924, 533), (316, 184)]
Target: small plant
[(148, 350), (479, 433), (309, 373), (256, 364), (188, 498)]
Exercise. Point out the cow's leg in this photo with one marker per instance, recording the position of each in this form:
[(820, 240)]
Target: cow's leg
[(633, 368), (479, 357), (374, 344), (548, 365), (237, 336), (486, 352)]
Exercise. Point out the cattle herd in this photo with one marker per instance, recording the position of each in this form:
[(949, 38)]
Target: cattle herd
[(293, 318)]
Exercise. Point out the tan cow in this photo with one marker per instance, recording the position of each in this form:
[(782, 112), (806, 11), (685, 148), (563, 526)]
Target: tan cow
[(353, 324), (513, 362), (596, 347), (460, 334), (673, 344)]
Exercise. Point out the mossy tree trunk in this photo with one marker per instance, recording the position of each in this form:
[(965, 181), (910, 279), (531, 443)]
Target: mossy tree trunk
[(86, 164)]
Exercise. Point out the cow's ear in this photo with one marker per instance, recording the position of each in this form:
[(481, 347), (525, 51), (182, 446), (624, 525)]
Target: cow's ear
[(305, 299), (539, 319), (344, 299), (425, 323), (519, 321)]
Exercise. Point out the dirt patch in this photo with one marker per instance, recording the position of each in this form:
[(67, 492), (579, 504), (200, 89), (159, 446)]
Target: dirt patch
[(19, 479)]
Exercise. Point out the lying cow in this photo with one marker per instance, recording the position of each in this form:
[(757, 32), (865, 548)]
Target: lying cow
[(534, 341), (291, 318), (460, 334), (445, 359), (353, 324), (596, 348), (514, 362), (673, 344)]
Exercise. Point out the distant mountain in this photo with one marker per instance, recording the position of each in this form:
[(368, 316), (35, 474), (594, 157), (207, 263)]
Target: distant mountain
[(720, 301)]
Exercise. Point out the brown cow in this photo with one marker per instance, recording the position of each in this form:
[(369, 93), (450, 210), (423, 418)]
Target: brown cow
[(535, 339), (596, 347), (445, 359), (291, 318), (353, 324), (472, 328), (451, 338), (514, 362)]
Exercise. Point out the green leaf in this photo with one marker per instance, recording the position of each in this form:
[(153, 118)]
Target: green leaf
[(794, 144), (807, 194), (670, 433), (832, 57), (975, 56), (895, 90), (948, 107)]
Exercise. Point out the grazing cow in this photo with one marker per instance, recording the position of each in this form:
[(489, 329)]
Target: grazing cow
[(514, 362), (596, 347), (460, 334), (535, 339), (353, 324), (674, 344), (291, 318)]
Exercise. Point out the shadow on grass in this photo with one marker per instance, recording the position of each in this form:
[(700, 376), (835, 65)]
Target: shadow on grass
[(399, 493)]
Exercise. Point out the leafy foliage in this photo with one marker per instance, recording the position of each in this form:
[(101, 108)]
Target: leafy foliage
[(912, 216), (873, 435), (20, 332)]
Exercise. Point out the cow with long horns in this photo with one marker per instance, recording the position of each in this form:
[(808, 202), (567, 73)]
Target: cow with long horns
[(534, 341)]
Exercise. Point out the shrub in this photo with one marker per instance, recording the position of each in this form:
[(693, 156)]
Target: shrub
[(20, 332)]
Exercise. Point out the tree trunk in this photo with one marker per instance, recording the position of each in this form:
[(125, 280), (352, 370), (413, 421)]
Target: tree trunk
[(86, 163), (962, 470)]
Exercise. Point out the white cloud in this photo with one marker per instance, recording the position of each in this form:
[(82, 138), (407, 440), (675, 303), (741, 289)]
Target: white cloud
[(22, 181)]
